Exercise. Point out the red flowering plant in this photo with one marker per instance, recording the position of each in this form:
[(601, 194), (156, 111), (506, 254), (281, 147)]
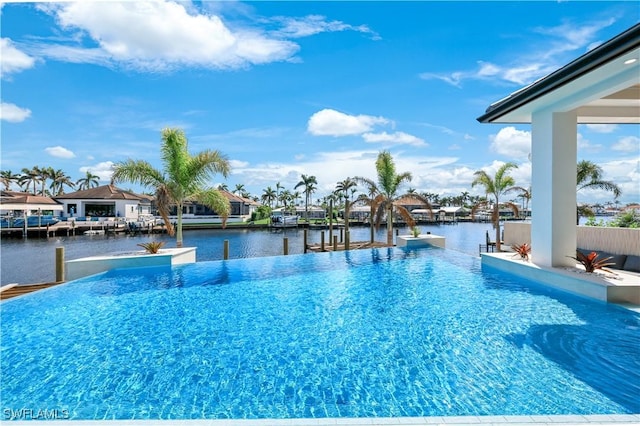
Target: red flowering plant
[(523, 250), (591, 262)]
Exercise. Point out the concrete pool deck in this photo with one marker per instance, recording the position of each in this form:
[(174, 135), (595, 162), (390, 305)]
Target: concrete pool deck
[(565, 420), (620, 287)]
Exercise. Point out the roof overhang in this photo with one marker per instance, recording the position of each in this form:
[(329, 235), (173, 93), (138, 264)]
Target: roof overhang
[(22, 206), (602, 86)]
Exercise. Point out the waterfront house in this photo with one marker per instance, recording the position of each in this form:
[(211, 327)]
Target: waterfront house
[(241, 207), (19, 204), (104, 201)]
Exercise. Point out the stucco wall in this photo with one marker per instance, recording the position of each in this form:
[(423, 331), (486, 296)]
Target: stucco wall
[(612, 240)]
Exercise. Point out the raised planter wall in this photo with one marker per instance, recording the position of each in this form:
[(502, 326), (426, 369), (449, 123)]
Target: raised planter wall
[(86, 266), (421, 240), (600, 238)]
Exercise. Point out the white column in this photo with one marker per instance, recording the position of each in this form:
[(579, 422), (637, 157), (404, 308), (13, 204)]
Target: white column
[(553, 187)]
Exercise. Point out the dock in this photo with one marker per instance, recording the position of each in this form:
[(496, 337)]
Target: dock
[(13, 290), (72, 228)]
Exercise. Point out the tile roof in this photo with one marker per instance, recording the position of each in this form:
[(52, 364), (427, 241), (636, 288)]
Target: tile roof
[(24, 198), (105, 192)]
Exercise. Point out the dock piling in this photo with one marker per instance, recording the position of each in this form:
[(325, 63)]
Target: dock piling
[(225, 250), (285, 243), (59, 264), (305, 240)]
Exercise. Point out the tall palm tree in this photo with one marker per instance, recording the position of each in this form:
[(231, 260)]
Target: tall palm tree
[(223, 187), (88, 181), (268, 196), (7, 177), (345, 188), (589, 176), (387, 188), (45, 174), (307, 182), (58, 181), (182, 178), (368, 199), (500, 184), (30, 177), (278, 188)]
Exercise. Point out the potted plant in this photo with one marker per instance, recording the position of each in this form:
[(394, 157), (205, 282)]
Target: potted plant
[(153, 247), (415, 231)]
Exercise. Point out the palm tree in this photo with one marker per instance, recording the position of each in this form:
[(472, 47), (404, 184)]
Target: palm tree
[(45, 173), (495, 187), (30, 177), (307, 182), (387, 188), (285, 198), (268, 196), (278, 188), (239, 189), (181, 179), (223, 187), (525, 194), (58, 180), (464, 197), (344, 188), (589, 176), (368, 199), (88, 181), (7, 177)]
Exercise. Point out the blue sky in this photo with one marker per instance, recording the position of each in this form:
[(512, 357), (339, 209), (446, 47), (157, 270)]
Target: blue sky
[(290, 88)]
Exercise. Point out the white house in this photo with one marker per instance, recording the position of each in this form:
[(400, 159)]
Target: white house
[(18, 204), (104, 201)]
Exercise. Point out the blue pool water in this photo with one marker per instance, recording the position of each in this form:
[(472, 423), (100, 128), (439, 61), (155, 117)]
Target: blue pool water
[(384, 332)]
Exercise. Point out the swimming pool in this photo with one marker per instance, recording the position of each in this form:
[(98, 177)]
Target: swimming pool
[(375, 333)]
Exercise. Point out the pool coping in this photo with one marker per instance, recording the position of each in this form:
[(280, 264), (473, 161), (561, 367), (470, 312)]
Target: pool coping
[(551, 420)]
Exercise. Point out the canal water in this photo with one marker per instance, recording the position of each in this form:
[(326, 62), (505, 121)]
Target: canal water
[(32, 260)]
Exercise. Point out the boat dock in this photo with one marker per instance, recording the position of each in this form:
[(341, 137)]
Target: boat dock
[(83, 228)]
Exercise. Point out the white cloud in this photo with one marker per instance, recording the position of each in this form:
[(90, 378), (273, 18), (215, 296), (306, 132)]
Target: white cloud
[(315, 24), (602, 128), (627, 144), (396, 138), (557, 45), (511, 143), (13, 113), (103, 170), (161, 35), (59, 152), (585, 145), (237, 164), (12, 59), (329, 122)]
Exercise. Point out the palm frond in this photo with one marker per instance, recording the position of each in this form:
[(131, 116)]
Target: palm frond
[(140, 172)]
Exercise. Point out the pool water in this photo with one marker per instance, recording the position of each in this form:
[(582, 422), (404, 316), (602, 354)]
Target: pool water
[(367, 333)]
